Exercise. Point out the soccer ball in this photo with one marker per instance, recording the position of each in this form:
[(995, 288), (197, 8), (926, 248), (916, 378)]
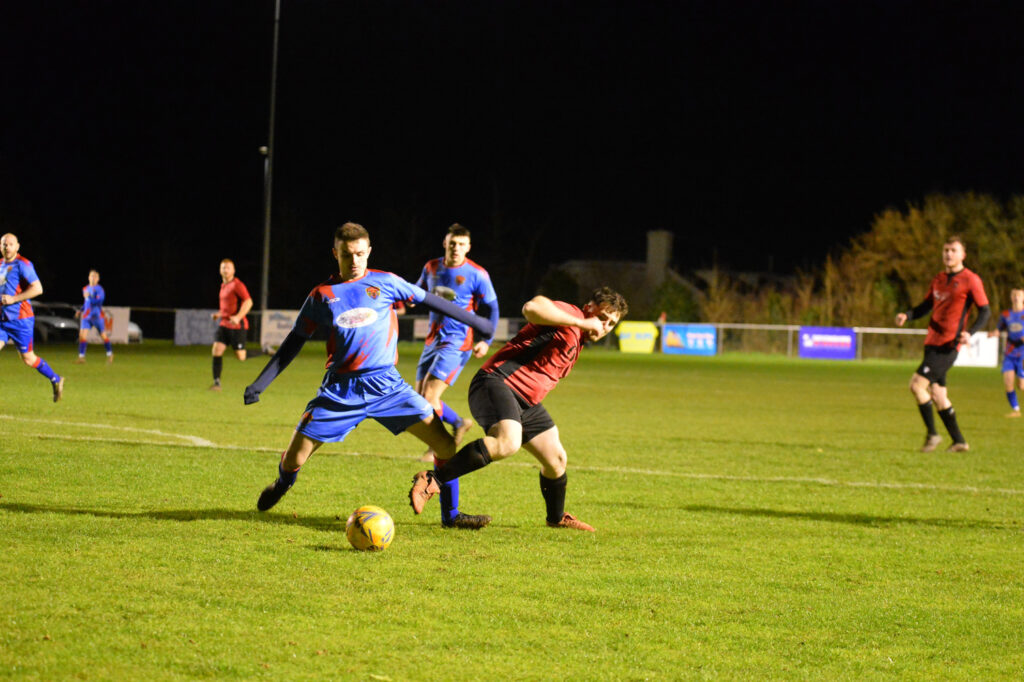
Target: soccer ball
[(370, 528)]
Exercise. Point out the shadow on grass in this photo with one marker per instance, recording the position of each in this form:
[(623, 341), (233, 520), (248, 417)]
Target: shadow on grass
[(185, 515), (853, 519)]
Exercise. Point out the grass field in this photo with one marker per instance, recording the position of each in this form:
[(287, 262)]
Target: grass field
[(758, 518)]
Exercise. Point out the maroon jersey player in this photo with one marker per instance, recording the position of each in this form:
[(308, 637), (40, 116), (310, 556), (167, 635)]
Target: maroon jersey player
[(235, 304), (506, 397), (949, 299)]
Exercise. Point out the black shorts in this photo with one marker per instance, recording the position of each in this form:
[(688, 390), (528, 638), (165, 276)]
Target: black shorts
[(491, 400), (233, 338), (937, 361)]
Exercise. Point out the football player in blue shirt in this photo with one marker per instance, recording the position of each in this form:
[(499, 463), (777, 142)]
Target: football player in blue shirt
[(91, 315), (1012, 322), (449, 345), (19, 283), (356, 306)]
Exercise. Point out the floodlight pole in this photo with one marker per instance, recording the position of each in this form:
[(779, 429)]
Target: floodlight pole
[(268, 165)]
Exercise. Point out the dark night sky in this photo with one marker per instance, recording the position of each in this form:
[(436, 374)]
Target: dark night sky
[(553, 129)]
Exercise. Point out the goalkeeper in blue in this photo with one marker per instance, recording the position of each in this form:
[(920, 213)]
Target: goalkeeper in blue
[(355, 306)]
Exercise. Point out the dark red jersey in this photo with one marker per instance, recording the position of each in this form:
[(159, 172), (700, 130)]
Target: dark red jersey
[(951, 295), (232, 295), (537, 357)]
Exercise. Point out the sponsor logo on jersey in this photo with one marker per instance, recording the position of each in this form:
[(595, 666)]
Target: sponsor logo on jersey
[(356, 317), (373, 292)]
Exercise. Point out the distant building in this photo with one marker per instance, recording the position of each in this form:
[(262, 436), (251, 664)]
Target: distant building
[(638, 281)]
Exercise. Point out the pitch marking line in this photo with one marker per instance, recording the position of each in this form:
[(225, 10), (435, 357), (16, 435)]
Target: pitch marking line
[(191, 440), (196, 441)]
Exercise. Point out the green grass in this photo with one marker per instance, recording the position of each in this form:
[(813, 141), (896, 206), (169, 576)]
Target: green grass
[(758, 518)]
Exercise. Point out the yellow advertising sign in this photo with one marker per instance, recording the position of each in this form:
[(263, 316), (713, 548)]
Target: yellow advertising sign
[(637, 337)]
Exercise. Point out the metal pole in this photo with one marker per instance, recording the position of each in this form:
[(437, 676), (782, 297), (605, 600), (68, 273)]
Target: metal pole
[(268, 165)]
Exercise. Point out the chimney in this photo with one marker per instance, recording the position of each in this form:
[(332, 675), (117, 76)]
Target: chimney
[(659, 253)]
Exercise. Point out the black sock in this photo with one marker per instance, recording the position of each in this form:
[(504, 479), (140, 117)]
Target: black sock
[(553, 490), (218, 363), (470, 458), (949, 419), (929, 417)]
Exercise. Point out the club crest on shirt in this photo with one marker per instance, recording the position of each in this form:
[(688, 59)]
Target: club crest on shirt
[(373, 292), (460, 280), (356, 317)]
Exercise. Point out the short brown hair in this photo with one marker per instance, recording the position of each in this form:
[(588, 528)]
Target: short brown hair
[(226, 260), (956, 239), (613, 301), (350, 232), (457, 230)]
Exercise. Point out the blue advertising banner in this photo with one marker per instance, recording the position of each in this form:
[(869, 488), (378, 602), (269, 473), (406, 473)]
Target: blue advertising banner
[(828, 343), (689, 339)]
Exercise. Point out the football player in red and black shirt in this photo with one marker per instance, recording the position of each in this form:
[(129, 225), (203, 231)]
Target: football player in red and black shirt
[(235, 304), (949, 300), (505, 398)]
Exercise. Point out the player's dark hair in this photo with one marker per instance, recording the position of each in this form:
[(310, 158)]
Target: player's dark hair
[(457, 230), (956, 239), (613, 301), (350, 232)]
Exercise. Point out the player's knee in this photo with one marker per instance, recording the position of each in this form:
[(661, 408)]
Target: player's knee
[(507, 444), (29, 359)]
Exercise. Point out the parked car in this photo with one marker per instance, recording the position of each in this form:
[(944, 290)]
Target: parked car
[(56, 322)]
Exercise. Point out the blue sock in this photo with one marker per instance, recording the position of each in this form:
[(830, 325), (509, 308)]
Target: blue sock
[(106, 346), (81, 348), (286, 478), (45, 370), (449, 498), (450, 416), (1012, 397)]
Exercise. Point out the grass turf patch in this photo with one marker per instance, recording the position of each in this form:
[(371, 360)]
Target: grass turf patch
[(758, 517)]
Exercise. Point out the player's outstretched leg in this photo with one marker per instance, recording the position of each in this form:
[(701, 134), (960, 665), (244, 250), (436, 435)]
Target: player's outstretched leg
[(273, 493), (56, 380)]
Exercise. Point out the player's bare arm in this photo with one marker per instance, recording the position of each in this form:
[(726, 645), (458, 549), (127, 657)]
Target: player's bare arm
[(33, 290), (543, 311), (243, 310)]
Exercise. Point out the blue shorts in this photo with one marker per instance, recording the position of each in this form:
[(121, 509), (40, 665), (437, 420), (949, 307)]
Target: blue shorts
[(443, 361), (93, 320), (18, 332), (1015, 365), (345, 401)]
